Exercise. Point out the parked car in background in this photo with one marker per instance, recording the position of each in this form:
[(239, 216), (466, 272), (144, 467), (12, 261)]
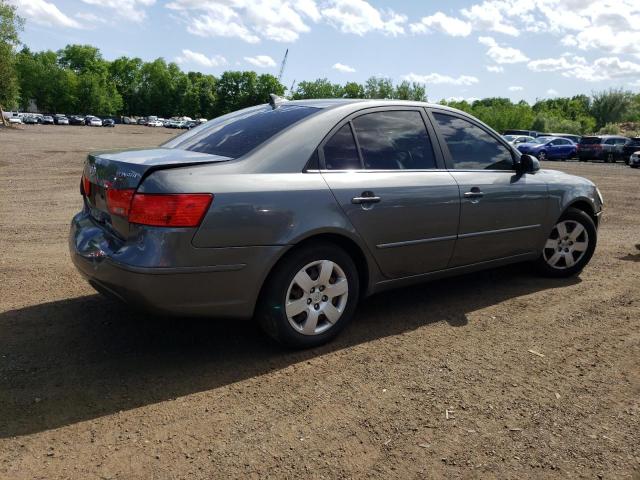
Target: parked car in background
[(92, 121), (629, 148), (76, 120), (155, 123), (528, 133), (634, 159), (601, 147), (108, 122), (142, 121), (161, 227), (549, 148), (57, 117), (570, 136), (47, 120), (15, 120), (30, 120), (518, 139), (62, 120), (202, 120)]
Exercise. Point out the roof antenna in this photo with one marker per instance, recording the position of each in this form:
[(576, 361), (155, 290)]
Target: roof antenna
[(275, 101)]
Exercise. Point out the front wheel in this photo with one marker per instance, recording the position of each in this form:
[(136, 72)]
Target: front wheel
[(570, 245), (310, 296), (610, 158), (542, 156)]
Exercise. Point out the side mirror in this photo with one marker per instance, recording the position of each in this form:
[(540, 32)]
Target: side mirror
[(527, 164)]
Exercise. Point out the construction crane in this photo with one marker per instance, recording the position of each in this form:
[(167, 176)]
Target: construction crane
[(283, 64)]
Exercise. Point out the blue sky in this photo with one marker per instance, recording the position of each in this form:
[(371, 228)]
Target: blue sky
[(521, 49)]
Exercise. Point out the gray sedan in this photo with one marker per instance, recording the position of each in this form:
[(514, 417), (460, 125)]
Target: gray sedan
[(292, 212)]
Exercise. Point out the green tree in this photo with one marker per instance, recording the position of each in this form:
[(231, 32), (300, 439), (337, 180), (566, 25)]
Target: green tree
[(10, 25), (320, 88), (353, 90), (126, 76), (611, 106), (377, 87)]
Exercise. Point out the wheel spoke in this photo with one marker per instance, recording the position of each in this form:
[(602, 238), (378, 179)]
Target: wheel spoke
[(568, 258), (296, 307), (310, 323), (577, 231), (552, 243), (562, 229), (337, 289), (331, 312), (554, 258), (580, 246), (326, 269), (303, 280)]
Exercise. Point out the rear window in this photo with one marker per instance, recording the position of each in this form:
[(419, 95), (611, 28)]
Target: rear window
[(238, 133), (590, 140)]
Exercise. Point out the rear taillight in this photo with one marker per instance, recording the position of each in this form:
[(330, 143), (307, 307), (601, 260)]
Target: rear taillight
[(119, 201), (159, 210), (86, 186), (172, 210)]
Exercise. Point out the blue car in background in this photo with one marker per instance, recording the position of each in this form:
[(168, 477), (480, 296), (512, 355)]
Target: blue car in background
[(549, 148)]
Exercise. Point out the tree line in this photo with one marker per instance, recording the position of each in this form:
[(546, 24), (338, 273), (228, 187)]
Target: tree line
[(77, 79)]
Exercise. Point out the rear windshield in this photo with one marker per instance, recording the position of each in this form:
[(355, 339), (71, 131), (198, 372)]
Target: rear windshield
[(590, 140), (238, 133), (634, 142)]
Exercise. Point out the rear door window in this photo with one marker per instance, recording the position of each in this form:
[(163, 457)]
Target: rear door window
[(590, 140), (340, 151), (471, 147), (394, 140), (238, 133)]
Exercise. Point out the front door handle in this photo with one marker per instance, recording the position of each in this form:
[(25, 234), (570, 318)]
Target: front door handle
[(365, 197)]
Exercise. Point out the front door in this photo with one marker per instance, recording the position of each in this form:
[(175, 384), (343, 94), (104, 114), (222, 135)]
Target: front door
[(383, 171), (502, 212)]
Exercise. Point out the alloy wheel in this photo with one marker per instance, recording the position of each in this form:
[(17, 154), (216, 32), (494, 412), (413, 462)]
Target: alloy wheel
[(542, 156), (566, 245), (316, 297)]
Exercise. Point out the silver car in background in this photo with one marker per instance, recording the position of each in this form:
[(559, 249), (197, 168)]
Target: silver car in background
[(291, 212)]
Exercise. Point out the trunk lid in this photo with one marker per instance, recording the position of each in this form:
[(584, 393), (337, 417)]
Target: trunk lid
[(121, 170)]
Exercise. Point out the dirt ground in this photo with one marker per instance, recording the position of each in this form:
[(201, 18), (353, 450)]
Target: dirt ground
[(433, 381)]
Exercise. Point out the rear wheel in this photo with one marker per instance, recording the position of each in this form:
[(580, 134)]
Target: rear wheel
[(542, 156), (310, 296), (610, 158), (570, 245)]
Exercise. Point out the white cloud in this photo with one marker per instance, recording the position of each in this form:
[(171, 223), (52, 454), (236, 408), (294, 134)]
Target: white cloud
[(261, 61), (359, 17), (552, 92), (249, 20), (44, 13), (502, 54), (437, 78), (343, 68), (604, 68), (495, 68), (516, 88), (610, 26), (133, 10), (489, 16), (462, 99), (201, 59), (442, 23)]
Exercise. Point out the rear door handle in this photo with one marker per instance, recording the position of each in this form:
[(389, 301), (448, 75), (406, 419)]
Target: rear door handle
[(364, 198), (474, 194)]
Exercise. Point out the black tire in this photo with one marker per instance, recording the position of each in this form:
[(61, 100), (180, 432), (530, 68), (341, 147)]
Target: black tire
[(572, 215), (610, 158), (542, 156), (270, 312)]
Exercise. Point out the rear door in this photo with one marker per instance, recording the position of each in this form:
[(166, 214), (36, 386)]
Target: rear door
[(502, 212), (387, 178)]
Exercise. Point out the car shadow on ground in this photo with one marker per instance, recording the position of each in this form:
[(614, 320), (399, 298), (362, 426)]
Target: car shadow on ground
[(78, 359)]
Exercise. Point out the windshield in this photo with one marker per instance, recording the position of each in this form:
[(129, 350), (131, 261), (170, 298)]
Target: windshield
[(541, 140), (510, 138), (238, 133)]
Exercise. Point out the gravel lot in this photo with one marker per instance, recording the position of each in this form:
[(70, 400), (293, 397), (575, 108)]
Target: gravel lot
[(90, 389)]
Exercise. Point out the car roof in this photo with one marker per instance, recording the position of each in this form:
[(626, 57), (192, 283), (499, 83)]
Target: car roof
[(358, 103)]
